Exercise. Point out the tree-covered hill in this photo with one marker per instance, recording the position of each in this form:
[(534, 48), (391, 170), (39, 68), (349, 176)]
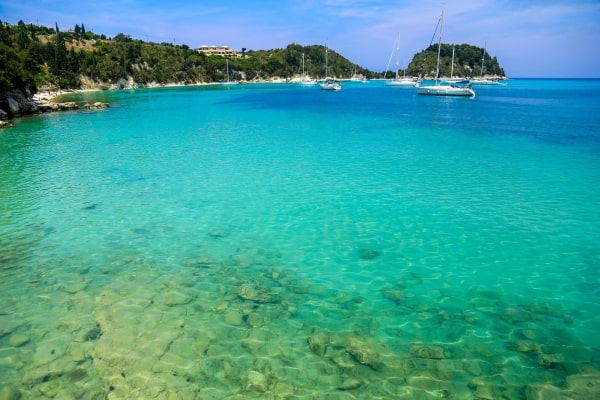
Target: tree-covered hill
[(32, 57), (467, 62)]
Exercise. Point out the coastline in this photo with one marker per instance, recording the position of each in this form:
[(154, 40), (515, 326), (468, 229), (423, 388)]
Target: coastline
[(16, 103)]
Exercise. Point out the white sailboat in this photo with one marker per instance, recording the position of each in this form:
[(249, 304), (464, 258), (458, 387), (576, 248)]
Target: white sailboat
[(356, 77), (329, 83), (439, 88), (229, 81), (399, 81), (306, 80), (453, 80), (481, 80)]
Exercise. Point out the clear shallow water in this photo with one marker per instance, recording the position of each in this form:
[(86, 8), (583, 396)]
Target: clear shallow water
[(271, 241)]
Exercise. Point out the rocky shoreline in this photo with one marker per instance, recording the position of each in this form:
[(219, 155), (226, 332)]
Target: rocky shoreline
[(16, 103)]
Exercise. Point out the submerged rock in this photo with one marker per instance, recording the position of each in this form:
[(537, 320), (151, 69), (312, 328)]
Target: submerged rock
[(486, 390), (427, 351), (368, 254), (78, 354), (550, 361), (199, 262), (527, 346), (93, 333), (341, 358), (318, 343), (350, 384), (515, 315), (540, 391), (9, 393), (18, 340), (173, 298), (283, 390), (51, 388), (363, 353), (233, 317), (257, 381), (397, 296), (248, 291), (77, 374), (254, 320), (586, 386)]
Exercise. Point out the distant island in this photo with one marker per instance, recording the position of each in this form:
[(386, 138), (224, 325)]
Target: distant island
[(469, 62), (36, 58)]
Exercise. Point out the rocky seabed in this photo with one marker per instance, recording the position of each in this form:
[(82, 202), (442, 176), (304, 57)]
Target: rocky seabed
[(248, 328)]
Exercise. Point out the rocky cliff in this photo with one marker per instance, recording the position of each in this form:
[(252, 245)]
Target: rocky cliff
[(16, 103)]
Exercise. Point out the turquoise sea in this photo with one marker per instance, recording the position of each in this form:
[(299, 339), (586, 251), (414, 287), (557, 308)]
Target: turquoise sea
[(268, 241)]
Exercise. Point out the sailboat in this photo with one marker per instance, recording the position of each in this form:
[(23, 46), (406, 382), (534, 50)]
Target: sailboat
[(440, 89), (228, 81), (481, 80), (399, 81), (329, 83), (455, 80), (356, 77), (306, 79)]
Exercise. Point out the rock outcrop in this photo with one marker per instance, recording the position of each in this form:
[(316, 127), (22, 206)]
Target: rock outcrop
[(16, 103)]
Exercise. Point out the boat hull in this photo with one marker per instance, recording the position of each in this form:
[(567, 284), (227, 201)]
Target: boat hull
[(330, 85), (401, 82), (445, 91), (484, 82)]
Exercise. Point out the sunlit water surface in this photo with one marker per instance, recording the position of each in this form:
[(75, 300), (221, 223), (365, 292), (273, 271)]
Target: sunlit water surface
[(272, 241)]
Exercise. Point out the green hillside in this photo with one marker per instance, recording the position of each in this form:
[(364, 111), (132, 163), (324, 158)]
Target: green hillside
[(467, 62), (33, 57)]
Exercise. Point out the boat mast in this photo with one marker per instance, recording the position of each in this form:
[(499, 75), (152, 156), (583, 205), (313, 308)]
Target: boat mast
[(482, 59), (452, 69), (396, 45), (437, 71), (397, 55), (303, 73), (326, 71)]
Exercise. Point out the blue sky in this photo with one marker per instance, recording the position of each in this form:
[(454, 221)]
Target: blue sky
[(530, 38)]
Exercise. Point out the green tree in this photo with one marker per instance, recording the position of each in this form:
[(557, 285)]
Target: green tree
[(22, 33)]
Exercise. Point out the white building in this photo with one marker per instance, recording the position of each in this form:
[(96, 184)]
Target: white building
[(223, 51)]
